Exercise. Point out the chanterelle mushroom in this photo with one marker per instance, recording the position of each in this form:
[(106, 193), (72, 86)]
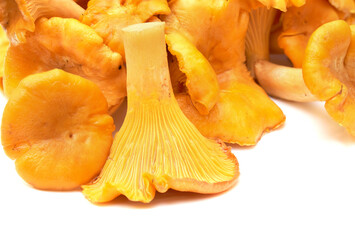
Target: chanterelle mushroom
[(157, 148), (57, 129), (19, 16), (217, 29), (72, 46), (298, 23), (329, 70)]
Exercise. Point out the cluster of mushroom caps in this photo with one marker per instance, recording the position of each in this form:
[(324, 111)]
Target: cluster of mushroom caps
[(68, 65)]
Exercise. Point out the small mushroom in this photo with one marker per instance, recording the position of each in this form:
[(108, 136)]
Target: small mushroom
[(157, 148), (57, 129), (19, 16), (243, 111), (328, 70), (72, 46)]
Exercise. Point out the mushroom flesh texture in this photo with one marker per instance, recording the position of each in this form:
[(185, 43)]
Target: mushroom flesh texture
[(157, 148)]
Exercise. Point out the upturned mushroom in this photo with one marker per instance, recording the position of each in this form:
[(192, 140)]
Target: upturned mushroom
[(72, 46), (157, 148), (57, 129), (329, 70), (242, 111)]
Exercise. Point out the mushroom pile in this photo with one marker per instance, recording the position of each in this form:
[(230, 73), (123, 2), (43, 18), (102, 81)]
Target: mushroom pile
[(196, 75)]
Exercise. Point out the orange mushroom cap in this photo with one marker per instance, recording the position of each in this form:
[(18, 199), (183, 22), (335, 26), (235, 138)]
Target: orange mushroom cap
[(57, 129), (72, 46), (328, 70), (243, 110)]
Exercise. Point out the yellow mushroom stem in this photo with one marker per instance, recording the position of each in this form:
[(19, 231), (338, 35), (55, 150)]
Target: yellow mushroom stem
[(157, 148), (283, 82)]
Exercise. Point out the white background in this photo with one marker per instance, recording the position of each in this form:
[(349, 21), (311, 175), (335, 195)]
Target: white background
[(298, 182)]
